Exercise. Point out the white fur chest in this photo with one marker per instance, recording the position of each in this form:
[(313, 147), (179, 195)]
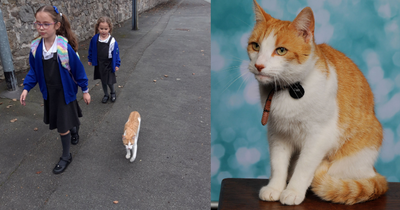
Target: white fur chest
[(298, 118)]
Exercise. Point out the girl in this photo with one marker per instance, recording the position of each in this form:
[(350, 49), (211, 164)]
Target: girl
[(55, 65), (104, 56)]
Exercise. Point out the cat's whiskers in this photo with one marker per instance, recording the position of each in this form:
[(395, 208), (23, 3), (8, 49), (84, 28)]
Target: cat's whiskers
[(234, 69), (245, 79), (235, 58), (231, 68), (236, 80)]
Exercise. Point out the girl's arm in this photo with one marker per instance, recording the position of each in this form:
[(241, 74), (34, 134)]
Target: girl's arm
[(23, 97), (90, 53), (77, 69), (79, 74), (29, 81), (116, 49)]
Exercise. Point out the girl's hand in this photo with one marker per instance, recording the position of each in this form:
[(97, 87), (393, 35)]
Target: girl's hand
[(116, 68), (23, 97), (86, 98), (89, 63)]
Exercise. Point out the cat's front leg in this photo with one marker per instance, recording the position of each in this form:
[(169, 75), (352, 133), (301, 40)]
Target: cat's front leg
[(311, 156), (128, 153), (280, 153)]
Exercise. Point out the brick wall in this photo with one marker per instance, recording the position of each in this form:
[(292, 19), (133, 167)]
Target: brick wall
[(18, 16)]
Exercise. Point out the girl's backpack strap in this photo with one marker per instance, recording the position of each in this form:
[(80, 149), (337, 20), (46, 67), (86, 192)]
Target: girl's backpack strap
[(62, 51), (34, 45)]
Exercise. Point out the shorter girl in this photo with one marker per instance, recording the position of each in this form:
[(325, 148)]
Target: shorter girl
[(55, 65), (104, 56)]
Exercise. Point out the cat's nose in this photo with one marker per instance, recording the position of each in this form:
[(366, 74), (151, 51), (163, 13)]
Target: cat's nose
[(259, 67)]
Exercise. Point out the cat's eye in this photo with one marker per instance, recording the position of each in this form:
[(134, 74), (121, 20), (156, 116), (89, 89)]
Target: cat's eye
[(255, 46), (281, 51)]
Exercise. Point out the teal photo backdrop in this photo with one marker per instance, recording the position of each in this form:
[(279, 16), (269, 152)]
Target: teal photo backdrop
[(367, 31)]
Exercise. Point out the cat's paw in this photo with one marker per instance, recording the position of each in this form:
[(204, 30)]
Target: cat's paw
[(269, 194), (132, 159), (291, 197), (128, 156)]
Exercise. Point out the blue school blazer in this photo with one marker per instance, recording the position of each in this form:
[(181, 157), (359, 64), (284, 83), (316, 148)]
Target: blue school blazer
[(36, 75), (92, 57)]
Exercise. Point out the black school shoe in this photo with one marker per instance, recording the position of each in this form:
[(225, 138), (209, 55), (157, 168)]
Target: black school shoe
[(62, 165), (105, 99), (74, 139), (113, 97)]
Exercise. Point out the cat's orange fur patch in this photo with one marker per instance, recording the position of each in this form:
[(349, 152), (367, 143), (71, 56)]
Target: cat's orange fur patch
[(131, 128), (359, 127), (347, 191)]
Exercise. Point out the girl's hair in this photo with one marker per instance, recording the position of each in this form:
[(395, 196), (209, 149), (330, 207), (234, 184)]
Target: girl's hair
[(103, 20), (65, 28)]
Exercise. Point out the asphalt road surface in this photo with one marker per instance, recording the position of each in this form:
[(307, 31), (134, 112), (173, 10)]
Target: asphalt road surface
[(165, 76)]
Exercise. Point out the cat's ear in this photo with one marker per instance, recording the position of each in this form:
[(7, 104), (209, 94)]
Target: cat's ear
[(123, 137), (261, 15), (304, 24)]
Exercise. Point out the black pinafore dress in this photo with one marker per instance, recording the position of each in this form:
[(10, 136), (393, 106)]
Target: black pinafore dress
[(58, 114), (103, 70)]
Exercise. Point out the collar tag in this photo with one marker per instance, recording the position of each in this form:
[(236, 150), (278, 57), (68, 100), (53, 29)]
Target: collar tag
[(296, 91)]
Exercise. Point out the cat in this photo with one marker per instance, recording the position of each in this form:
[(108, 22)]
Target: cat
[(131, 135), (322, 129)]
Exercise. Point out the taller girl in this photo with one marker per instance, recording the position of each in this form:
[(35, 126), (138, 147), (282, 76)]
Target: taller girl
[(104, 56), (55, 65)]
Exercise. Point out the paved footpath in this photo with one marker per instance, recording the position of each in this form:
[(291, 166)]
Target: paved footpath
[(172, 169)]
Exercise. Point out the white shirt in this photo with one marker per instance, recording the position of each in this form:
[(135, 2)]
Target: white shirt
[(53, 49), (111, 48)]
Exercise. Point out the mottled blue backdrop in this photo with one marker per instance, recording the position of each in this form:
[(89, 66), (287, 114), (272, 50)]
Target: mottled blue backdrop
[(366, 31)]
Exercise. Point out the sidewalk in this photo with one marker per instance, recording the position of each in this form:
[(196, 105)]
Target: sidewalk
[(172, 169)]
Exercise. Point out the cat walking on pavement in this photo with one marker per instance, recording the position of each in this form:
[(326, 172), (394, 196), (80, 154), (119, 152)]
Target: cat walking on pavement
[(322, 129), (131, 135)]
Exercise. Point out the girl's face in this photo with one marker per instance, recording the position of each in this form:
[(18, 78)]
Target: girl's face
[(46, 25), (104, 29)]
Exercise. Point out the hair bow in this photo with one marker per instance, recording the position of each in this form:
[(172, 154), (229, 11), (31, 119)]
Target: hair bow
[(55, 9)]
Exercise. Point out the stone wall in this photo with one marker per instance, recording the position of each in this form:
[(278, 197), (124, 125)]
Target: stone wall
[(19, 16)]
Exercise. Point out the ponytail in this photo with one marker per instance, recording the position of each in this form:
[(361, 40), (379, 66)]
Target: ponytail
[(65, 30)]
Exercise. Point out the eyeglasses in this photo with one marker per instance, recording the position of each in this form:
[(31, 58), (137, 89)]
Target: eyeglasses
[(44, 25)]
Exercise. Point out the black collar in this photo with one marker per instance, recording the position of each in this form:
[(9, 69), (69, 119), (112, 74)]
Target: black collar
[(296, 91), (279, 87)]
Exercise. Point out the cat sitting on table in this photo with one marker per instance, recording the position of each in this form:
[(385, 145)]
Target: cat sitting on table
[(322, 129), (131, 135)]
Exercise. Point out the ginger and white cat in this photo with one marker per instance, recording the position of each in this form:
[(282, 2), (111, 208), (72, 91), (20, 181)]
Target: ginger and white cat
[(328, 136), (131, 135)]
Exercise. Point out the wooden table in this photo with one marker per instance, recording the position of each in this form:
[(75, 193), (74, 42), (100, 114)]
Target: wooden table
[(243, 194)]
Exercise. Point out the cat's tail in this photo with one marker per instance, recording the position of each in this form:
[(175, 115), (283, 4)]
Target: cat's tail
[(347, 191)]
